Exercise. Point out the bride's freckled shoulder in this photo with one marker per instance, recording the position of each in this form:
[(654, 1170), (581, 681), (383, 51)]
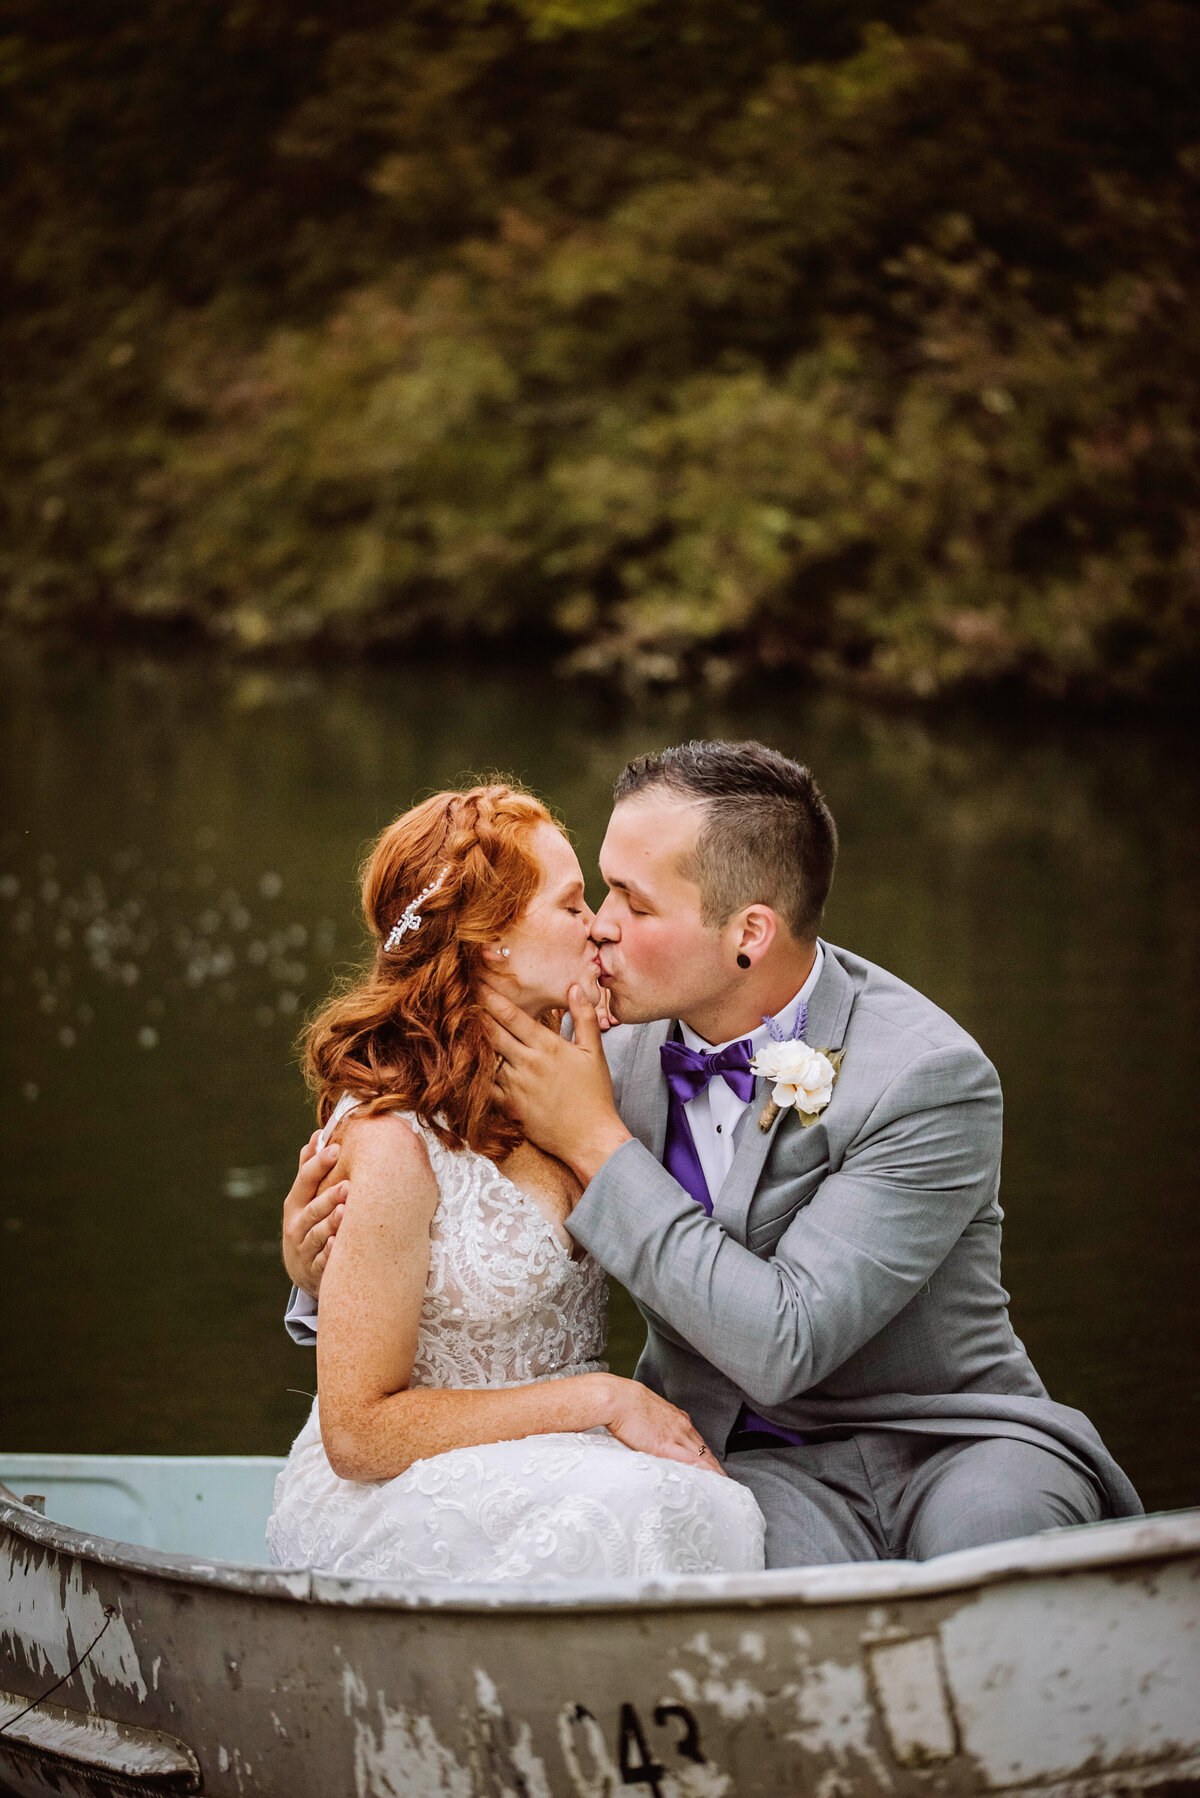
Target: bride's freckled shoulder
[(387, 1162)]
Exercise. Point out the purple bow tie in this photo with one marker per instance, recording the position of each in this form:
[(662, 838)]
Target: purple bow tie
[(688, 1071)]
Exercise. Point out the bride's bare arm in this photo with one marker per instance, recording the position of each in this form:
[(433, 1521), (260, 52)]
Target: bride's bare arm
[(372, 1424)]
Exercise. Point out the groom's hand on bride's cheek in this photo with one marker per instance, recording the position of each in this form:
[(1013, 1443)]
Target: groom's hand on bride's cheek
[(312, 1212), (559, 1091)]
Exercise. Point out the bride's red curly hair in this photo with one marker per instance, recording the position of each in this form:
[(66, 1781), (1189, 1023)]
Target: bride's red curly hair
[(409, 1035)]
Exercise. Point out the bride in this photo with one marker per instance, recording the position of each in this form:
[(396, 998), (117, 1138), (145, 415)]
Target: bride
[(465, 1426)]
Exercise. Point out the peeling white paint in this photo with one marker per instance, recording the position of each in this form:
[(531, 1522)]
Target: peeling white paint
[(57, 1617), (242, 1769), (701, 1646), (124, 1750), (880, 1626), (529, 1765), (912, 1699), (486, 1695), (114, 1658), (403, 1758), (834, 1712), (833, 1784), (736, 1700), (697, 1782), (31, 1614), (513, 1742), (686, 1683), (354, 1691), (733, 1699), (603, 1781), (1099, 1671)]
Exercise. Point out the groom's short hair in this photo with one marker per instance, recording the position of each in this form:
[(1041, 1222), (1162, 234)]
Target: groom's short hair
[(768, 837)]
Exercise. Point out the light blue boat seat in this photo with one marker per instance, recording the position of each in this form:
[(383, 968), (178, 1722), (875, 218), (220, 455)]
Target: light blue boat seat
[(215, 1506)]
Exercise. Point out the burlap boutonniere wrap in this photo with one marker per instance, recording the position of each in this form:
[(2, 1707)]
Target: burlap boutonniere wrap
[(804, 1080)]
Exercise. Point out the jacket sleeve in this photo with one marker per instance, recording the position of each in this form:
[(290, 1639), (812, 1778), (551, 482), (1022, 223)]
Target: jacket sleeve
[(300, 1319), (924, 1163)]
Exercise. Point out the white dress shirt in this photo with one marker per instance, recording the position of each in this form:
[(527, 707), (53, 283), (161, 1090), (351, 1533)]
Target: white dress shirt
[(717, 1117)]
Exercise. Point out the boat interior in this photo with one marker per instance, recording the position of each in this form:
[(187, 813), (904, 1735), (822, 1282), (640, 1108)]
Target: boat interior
[(214, 1506)]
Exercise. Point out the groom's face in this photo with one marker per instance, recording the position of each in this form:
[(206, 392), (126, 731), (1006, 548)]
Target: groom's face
[(659, 959)]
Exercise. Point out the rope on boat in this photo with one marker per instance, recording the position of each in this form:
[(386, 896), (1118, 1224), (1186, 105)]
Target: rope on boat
[(109, 1614)]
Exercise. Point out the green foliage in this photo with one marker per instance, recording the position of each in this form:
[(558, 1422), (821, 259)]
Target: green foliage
[(689, 334), (547, 18)]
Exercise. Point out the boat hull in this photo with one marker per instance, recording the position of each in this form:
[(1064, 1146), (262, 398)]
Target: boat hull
[(1067, 1665)]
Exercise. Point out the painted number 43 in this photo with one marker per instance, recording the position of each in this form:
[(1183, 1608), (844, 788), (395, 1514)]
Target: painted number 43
[(637, 1762)]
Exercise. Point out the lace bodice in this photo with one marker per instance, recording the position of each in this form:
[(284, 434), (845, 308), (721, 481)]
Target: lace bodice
[(504, 1302)]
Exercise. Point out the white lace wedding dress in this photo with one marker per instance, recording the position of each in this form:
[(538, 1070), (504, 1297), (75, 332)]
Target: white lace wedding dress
[(505, 1305)]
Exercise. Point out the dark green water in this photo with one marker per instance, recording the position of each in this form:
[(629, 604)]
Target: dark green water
[(176, 885)]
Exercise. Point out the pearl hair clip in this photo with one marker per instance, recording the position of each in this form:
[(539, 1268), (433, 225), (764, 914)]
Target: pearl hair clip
[(410, 918)]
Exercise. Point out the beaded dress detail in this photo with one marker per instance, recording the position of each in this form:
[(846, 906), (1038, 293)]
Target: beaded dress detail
[(505, 1305)]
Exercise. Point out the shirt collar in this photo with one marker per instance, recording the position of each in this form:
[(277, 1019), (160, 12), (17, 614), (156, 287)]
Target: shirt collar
[(784, 1020)]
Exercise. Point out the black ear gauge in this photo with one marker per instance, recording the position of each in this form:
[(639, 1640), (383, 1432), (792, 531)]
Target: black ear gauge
[(743, 961)]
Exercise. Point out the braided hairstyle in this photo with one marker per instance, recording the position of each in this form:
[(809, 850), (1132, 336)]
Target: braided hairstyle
[(409, 1033)]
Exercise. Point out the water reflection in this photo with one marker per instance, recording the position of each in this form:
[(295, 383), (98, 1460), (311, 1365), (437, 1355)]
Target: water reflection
[(137, 927), (177, 889)]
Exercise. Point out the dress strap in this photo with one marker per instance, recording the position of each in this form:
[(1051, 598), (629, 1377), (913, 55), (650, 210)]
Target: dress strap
[(345, 1105), (348, 1103)]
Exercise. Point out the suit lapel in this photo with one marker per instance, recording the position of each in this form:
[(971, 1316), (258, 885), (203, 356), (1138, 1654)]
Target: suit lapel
[(830, 1006), (644, 1093), (828, 1016)]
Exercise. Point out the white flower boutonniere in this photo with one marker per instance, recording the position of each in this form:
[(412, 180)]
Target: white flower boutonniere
[(804, 1079)]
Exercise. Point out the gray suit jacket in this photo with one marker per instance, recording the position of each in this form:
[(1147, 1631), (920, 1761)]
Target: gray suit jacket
[(849, 1276)]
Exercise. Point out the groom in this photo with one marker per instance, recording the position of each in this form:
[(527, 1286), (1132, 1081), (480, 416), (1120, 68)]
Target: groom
[(820, 1281)]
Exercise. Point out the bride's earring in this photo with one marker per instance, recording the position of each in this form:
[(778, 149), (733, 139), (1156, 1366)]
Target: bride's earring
[(505, 953)]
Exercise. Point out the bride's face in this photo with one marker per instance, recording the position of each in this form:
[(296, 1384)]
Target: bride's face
[(550, 947)]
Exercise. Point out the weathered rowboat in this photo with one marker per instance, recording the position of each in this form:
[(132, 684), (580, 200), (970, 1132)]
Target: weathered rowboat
[(142, 1651)]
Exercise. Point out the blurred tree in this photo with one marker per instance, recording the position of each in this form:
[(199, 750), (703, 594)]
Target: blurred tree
[(695, 335)]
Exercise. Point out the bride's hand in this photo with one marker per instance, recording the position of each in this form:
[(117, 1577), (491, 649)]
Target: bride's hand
[(640, 1419), (311, 1215)]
